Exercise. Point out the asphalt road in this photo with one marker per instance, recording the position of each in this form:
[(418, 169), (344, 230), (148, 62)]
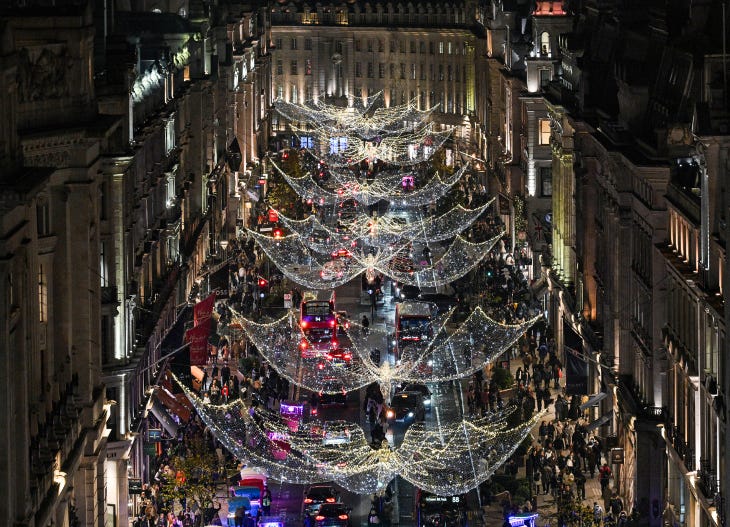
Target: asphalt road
[(288, 498)]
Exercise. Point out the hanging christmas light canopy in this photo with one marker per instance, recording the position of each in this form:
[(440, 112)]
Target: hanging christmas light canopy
[(448, 459), (452, 353)]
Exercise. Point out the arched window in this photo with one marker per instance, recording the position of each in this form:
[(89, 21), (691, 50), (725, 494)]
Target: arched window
[(545, 43)]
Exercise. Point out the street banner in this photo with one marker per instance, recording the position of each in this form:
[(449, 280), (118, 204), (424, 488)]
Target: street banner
[(203, 309), (197, 337), (576, 366)]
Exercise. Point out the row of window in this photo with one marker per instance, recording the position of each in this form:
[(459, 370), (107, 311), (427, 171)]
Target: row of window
[(448, 103), (449, 73), (414, 46)]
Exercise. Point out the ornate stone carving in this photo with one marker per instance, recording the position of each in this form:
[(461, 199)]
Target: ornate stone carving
[(43, 75)]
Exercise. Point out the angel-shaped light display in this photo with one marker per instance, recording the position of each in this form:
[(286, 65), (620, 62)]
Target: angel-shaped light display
[(446, 459)]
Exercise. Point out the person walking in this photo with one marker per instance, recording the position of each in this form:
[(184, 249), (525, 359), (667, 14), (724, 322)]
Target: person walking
[(365, 325), (266, 500)]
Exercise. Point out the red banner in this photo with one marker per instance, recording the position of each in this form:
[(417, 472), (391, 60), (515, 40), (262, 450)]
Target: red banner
[(198, 340), (204, 309)]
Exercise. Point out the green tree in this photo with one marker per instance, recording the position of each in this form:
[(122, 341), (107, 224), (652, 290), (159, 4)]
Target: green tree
[(193, 474)]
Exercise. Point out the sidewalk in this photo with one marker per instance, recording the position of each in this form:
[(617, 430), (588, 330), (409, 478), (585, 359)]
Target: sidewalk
[(546, 504)]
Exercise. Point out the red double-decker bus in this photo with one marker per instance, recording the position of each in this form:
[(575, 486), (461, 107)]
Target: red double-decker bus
[(318, 322)]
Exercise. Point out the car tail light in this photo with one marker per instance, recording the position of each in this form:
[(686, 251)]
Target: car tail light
[(319, 518), (333, 322), (347, 356), (330, 500), (320, 366), (342, 516), (314, 412), (307, 500), (303, 324)]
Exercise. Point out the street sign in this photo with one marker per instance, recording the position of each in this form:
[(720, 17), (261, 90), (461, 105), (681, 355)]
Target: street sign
[(135, 486), (150, 449), (617, 456), (288, 301), (154, 435)]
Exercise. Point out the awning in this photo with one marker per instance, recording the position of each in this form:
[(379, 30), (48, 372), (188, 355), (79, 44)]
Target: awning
[(600, 421), (163, 416), (172, 404), (594, 400)]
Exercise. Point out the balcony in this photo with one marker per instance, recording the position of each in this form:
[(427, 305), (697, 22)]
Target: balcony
[(683, 450), (707, 480), (109, 295)]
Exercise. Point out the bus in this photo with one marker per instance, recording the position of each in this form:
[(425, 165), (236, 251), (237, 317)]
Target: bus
[(440, 511), (318, 322), (413, 324)]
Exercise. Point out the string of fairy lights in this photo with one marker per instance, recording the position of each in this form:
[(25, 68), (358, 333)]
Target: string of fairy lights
[(446, 460), (446, 457)]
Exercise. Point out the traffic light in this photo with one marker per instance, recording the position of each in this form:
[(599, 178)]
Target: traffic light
[(263, 286)]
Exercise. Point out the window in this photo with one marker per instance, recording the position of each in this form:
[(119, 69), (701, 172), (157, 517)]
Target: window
[(393, 46), (430, 48), (544, 77), (170, 134), (448, 48), (457, 74), (308, 67), (309, 95), (308, 44), (546, 181), (103, 265), (294, 67), (370, 46), (381, 70), (441, 48), (43, 215), (423, 72), (545, 43), (358, 69), (449, 76), (279, 67), (441, 72), (413, 46), (370, 70), (338, 46), (293, 43), (42, 295), (433, 75), (392, 70), (544, 133), (294, 94), (357, 44), (402, 70), (277, 43), (413, 71), (381, 46), (402, 46), (279, 91), (422, 47)]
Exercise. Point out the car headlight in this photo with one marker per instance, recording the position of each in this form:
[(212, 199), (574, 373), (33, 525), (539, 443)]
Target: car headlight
[(427, 401), (410, 414), (430, 363), (390, 414)]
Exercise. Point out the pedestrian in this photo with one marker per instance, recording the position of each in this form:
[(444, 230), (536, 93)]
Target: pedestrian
[(604, 477), (365, 325), (597, 513), (373, 518), (266, 501)]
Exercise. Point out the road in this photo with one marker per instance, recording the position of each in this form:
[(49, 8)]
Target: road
[(287, 498)]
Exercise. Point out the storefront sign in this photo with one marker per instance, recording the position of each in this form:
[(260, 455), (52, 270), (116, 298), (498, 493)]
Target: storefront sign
[(135, 486), (617, 456)]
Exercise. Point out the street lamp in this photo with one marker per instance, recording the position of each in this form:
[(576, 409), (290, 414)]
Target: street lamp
[(224, 246)]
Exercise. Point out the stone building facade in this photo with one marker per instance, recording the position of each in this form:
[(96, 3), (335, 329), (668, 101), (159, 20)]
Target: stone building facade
[(54, 409), (349, 51)]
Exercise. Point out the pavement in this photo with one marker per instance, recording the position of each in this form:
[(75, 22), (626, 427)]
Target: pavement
[(546, 505)]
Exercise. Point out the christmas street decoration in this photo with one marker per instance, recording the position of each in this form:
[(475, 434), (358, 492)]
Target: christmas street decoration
[(445, 460), (451, 354)]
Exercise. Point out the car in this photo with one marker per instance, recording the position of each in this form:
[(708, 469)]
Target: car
[(332, 270), (317, 495), (401, 264), (339, 356), (336, 432), (341, 253), (332, 515), (406, 407), (443, 302), (406, 292), (423, 390), (331, 399), (319, 236)]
